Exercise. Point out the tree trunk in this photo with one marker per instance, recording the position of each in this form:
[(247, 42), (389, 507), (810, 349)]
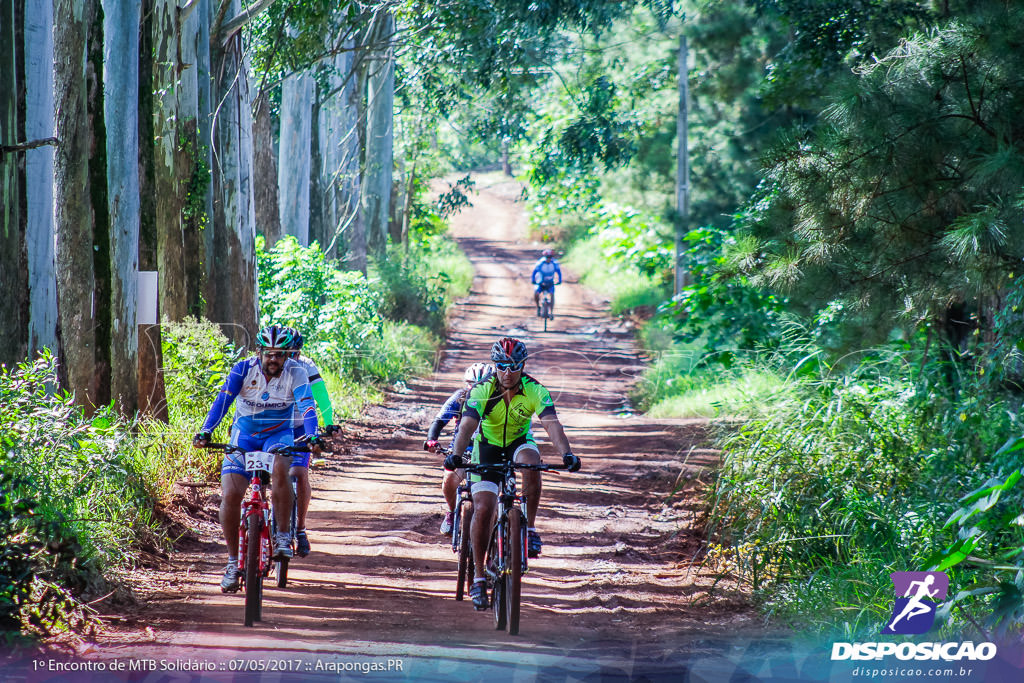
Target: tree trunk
[(268, 218), (293, 158), (13, 254), (39, 125), (152, 389), (317, 230), (231, 290), (170, 174), (190, 162), (75, 277), (682, 276), (377, 168), (121, 79), (204, 70), (339, 139), (102, 313)]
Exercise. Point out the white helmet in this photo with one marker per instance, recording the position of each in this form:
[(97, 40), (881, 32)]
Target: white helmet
[(478, 372)]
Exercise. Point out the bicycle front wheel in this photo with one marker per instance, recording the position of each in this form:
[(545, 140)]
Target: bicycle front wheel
[(497, 559), (514, 577), (253, 575)]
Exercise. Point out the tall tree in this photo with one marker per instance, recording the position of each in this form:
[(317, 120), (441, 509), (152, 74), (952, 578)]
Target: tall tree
[(380, 99), (293, 170), (76, 280), (39, 125), (906, 200), (231, 263), (13, 256), (121, 83), (267, 212)]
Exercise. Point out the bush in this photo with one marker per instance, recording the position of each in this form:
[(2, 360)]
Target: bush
[(847, 478), (75, 498), (197, 358)]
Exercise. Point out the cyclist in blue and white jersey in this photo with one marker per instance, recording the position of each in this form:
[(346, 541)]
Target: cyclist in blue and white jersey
[(544, 277), (268, 386), (452, 410), (300, 461)]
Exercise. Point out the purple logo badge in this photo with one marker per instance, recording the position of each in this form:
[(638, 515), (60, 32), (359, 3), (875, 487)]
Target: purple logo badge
[(917, 596)]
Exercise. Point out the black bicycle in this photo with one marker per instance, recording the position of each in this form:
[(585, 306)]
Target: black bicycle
[(506, 560), (546, 309)]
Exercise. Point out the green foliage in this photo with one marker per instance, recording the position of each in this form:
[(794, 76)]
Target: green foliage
[(336, 311), (899, 203), (364, 327), (74, 499), (413, 286), (719, 307), (197, 358), (628, 288), (848, 477)]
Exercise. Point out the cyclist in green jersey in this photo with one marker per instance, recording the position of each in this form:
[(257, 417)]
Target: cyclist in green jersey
[(503, 407)]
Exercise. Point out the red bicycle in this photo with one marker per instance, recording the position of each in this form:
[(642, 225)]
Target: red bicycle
[(255, 544)]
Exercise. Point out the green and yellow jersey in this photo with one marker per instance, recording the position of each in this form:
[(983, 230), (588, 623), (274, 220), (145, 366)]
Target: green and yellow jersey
[(501, 424)]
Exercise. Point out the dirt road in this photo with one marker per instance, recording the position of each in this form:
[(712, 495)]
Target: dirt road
[(616, 592)]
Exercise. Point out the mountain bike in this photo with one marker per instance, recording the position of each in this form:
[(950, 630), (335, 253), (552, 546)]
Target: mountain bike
[(461, 545), (547, 306), (255, 543), (506, 559)]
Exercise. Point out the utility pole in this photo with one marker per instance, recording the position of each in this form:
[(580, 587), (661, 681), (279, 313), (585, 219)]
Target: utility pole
[(682, 276)]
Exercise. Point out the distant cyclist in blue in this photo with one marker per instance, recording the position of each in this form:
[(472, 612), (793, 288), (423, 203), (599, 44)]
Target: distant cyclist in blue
[(268, 387), (544, 277)]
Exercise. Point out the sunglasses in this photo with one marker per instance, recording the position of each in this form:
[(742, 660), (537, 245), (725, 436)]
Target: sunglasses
[(275, 354), (509, 367)]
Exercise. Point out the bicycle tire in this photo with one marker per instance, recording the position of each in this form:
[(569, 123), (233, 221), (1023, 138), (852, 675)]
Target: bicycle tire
[(514, 577), (253, 576), (465, 549), (281, 567), (498, 590)]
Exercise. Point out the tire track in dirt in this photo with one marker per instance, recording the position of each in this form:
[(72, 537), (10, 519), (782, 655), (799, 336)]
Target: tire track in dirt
[(617, 589)]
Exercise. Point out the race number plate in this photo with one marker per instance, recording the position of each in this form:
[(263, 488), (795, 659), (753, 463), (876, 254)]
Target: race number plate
[(259, 460)]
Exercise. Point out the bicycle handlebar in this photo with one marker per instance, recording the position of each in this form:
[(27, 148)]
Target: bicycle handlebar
[(501, 468)]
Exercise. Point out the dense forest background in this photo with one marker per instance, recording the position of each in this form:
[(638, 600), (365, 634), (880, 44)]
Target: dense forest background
[(812, 208)]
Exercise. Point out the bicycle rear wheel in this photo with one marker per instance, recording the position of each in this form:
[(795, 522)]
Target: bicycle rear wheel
[(514, 577), (464, 521), (253, 576)]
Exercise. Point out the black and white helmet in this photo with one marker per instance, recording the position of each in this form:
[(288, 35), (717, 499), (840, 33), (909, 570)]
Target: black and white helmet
[(478, 372)]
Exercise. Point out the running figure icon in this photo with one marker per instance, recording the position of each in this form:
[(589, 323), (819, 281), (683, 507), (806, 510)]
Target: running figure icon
[(917, 597), (915, 607)]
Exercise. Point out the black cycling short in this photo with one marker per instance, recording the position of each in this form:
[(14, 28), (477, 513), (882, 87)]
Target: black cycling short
[(492, 454)]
